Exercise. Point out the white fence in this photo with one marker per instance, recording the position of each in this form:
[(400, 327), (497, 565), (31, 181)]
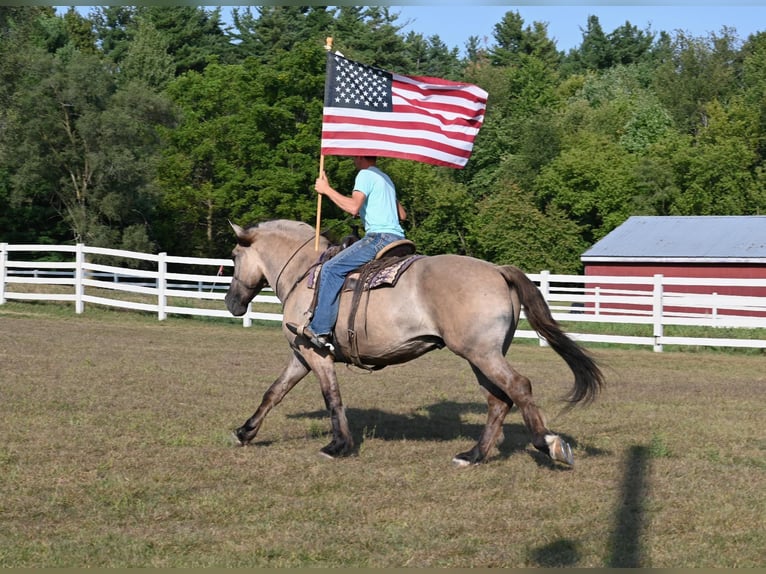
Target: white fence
[(187, 286)]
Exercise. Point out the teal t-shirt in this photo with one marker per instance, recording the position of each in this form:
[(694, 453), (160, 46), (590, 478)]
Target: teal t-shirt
[(379, 212)]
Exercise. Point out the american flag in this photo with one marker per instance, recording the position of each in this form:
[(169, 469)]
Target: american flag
[(368, 111)]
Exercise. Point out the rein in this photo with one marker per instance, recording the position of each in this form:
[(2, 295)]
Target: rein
[(295, 284)]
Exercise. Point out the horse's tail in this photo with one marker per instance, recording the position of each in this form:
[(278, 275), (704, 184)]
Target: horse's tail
[(588, 376)]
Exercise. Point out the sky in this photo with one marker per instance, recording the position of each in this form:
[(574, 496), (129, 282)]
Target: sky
[(454, 24)]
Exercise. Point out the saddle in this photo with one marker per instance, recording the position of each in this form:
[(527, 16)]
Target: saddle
[(383, 271)]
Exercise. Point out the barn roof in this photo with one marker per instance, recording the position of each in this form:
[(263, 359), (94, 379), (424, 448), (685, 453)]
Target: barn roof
[(684, 239)]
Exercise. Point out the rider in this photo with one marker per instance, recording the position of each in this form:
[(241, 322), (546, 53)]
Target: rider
[(374, 200)]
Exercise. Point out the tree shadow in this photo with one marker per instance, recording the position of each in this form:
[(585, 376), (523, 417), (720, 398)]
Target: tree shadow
[(557, 554)]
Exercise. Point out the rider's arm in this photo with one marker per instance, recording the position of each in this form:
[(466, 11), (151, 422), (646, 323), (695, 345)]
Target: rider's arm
[(401, 210), (348, 204)]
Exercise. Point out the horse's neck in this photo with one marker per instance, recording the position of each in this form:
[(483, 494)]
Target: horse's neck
[(289, 264)]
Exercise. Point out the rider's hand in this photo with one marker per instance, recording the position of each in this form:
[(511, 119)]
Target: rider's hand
[(322, 185)]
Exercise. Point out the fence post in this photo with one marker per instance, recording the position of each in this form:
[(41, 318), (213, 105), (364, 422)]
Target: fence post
[(3, 259), (247, 320), (597, 301), (79, 275), (162, 299), (657, 313), (545, 289), (714, 310)]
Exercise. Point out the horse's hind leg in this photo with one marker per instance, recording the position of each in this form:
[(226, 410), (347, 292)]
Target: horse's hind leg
[(498, 373), (291, 375), (492, 434)]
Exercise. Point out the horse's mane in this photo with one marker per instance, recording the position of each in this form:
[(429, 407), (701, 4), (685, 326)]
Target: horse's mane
[(287, 225)]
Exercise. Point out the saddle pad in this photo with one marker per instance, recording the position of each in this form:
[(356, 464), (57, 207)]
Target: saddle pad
[(386, 276)]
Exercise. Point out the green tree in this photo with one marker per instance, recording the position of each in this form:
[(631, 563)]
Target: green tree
[(514, 41), (114, 27), (268, 31), (595, 52), (147, 59), (510, 229), (84, 147), (629, 45), (247, 148), (439, 209), (698, 71), (79, 31), (721, 174), (593, 182)]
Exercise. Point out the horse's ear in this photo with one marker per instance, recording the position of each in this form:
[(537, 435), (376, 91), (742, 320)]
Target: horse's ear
[(244, 236), (238, 230)]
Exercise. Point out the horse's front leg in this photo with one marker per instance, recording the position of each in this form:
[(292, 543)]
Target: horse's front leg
[(295, 370), (342, 443)]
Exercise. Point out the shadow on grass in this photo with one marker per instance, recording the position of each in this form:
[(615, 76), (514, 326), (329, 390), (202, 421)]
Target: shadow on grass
[(625, 549), (557, 554), (625, 543), (441, 421)]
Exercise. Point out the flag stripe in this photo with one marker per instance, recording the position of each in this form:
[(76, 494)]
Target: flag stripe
[(369, 111), (413, 122), (396, 137), (375, 147)]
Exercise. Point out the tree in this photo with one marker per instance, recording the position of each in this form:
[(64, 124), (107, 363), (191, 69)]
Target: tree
[(721, 174), (114, 26), (147, 59), (510, 229), (593, 183), (79, 31), (85, 151), (595, 50), (699, 71), (629, 45), (515, 41), (439, 210), (273, 30), (247, 148), (431, 57)]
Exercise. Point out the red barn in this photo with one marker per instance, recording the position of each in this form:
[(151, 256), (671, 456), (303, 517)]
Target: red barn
[(708, 247)]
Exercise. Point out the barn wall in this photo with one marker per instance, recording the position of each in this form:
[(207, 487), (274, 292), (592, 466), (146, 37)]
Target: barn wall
[(696, 270)]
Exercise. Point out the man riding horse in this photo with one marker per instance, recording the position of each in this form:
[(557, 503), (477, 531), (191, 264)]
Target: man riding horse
[(374, 200)]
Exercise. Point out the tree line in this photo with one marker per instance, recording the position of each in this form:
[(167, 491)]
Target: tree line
[(150, 127)]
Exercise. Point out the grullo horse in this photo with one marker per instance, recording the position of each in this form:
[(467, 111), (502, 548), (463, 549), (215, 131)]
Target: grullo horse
[(468, 305)]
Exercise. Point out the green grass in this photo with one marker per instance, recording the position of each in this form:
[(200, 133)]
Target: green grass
[(116, 452)]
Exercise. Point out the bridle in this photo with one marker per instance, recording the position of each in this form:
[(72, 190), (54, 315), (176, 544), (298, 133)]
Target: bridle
[(245, 285), (279, 275)]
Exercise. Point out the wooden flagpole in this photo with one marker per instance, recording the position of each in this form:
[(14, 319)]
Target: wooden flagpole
[(328, 47)]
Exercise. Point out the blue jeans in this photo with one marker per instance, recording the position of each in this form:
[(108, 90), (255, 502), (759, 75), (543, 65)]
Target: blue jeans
[(334, 273)]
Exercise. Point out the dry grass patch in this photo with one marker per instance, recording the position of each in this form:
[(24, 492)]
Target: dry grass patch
[(117, 452)]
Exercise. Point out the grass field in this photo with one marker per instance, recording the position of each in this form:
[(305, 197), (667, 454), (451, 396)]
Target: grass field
[(116, 451)]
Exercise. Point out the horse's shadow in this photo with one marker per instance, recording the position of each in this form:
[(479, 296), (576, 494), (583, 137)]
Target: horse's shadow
[(441, 421)]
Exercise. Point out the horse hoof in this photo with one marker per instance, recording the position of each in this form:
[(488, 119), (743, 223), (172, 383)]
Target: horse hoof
[(559, 450), (337, 450), (461, 462), (237, 440)]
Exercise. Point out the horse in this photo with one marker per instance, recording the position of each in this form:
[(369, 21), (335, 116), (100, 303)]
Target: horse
[(468, 305)]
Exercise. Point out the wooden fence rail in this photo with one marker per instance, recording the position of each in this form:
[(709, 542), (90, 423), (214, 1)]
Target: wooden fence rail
[(167, 285)]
